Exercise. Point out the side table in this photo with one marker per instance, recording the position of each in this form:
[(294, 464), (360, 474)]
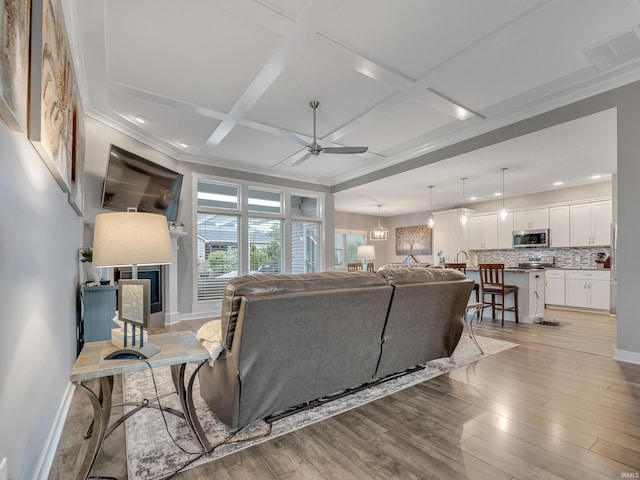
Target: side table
[(176, 350)]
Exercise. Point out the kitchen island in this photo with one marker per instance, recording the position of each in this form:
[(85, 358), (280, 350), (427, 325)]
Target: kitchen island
[(530, 283)]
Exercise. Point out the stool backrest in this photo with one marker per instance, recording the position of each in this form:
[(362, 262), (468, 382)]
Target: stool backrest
[(492, 274), (457, 266)]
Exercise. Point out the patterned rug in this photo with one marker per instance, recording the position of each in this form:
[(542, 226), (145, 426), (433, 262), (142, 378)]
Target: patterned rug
[(152, 452)]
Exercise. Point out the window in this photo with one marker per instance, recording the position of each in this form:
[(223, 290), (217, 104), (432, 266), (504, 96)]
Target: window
[(243, 228), (218, 259), (346, 248), (306, 247), (265, 245)]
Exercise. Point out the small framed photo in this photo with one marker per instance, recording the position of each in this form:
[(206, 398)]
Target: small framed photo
[(134, 301)]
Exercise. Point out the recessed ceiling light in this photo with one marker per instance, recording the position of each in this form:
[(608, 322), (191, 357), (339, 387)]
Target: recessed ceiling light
[(473, 198), (183, 145), (139, 120), (557, 184), (595, 177), (497, 194)]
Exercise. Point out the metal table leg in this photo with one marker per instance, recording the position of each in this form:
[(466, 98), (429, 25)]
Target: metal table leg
[(185, 394), (101, 412), (477, 308)]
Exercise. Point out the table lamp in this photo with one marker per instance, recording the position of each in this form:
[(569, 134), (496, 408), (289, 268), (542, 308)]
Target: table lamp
[(132, 239), (364, 253)]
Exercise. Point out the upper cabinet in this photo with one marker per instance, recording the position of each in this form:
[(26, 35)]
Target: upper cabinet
[(531, 219), (483, 232), (559, 227), (505, 232), (449, 237), (591, 224)]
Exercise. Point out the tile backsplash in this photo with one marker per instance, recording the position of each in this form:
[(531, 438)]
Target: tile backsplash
[(574, 257)]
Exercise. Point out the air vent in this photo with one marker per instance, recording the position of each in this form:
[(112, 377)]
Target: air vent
[(615, 51)]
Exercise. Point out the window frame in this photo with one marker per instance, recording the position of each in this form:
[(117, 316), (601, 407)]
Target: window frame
[(244, 213)]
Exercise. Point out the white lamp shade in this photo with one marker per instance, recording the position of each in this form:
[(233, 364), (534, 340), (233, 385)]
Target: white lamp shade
[(131, 238), (366, 252)]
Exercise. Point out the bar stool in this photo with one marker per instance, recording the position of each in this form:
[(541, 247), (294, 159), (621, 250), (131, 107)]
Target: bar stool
[(463, 268), (492, 283), (477, 306)]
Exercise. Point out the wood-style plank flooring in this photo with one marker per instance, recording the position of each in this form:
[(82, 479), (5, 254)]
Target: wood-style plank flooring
[(555, 407)]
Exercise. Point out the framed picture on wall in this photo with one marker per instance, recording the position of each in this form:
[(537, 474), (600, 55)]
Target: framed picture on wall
[(413, 240), (14, 63), (76, 186), (52, 91)]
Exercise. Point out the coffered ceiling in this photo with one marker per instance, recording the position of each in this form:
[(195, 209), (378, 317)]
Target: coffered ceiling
[(216, 82)]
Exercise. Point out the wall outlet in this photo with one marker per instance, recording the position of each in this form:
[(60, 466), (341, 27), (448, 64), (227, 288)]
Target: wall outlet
[(4, 470)]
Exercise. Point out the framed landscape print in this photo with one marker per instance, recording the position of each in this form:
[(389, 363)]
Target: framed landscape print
[(15, 30), (52, 91), (413, 240)]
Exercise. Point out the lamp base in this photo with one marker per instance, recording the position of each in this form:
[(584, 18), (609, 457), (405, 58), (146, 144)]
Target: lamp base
[(134, 352)]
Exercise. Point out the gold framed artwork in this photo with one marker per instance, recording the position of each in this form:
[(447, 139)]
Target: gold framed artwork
[(15, 29), (52, 91), (413, 240)]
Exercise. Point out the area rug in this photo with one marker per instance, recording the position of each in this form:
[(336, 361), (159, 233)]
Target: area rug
[(152, 452)]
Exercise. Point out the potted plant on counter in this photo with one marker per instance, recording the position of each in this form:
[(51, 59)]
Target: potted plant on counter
[(601, 259)]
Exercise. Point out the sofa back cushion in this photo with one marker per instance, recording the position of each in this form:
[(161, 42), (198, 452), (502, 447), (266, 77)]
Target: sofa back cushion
[(270, 284), (425, 320)]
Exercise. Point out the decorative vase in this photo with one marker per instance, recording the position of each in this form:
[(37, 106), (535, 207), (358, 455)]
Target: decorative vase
[(91, 274)]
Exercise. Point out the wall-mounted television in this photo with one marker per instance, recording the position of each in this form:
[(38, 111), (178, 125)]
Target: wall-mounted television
[(135, 182)]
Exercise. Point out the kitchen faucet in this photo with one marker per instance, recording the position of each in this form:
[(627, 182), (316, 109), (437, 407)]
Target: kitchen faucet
[(465, 255)]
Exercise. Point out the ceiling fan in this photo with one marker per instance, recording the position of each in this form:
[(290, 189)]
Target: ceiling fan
[(314, 148)]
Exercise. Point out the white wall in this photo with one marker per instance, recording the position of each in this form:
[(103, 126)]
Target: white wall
[(39, 241)]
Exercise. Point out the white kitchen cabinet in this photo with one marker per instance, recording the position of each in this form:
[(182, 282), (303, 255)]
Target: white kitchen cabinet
[(587, 289), (559, 227), (554, 287), (531, 219), (505, 232), (449, 237), (591, 224), (483, 232)]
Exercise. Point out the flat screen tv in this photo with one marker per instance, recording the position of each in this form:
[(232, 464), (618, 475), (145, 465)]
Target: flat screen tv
[(135, 182)]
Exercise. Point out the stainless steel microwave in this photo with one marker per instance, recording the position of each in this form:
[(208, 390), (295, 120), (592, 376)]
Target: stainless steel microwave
[(531, 238)]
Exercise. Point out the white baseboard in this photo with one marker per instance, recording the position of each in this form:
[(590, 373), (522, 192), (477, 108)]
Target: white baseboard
[(46, 459), (626, 356)]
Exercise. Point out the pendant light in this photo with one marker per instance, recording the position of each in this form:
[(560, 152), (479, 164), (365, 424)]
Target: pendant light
[(431, 222), (463, 214), (503, 211), (379, 233)]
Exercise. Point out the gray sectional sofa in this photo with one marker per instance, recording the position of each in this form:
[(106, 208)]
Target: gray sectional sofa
[(291, 339)]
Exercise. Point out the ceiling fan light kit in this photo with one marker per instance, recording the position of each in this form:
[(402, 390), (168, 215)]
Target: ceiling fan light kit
[(431, 222), (463, 215), (314, 148)]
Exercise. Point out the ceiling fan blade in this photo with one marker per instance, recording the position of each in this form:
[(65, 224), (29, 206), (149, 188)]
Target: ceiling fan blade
[(293, 137), (344, 149), (301, 160)]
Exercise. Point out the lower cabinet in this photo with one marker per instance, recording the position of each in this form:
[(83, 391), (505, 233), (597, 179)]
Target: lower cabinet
[(587, 289), (554, 287)]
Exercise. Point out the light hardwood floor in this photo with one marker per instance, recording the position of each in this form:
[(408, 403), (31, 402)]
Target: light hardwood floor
[(555, 407)]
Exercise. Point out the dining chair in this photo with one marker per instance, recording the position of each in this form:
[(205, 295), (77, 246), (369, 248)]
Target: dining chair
[(492, 283)]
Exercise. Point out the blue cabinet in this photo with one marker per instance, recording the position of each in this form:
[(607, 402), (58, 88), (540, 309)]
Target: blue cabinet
[(98, 306)]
